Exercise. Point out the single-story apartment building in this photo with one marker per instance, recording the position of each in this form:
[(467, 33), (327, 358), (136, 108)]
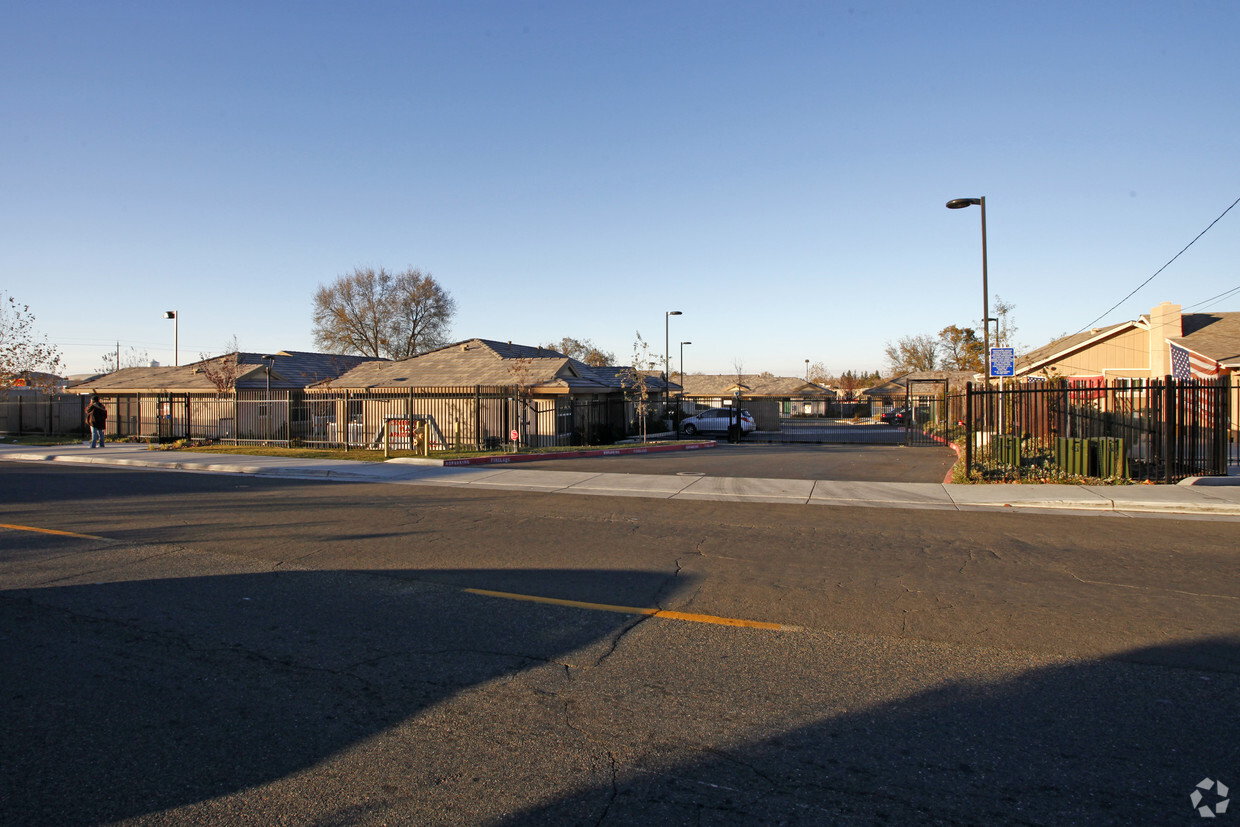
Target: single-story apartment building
[(478, 392), (893, 392), (766, 396), (243, 396)]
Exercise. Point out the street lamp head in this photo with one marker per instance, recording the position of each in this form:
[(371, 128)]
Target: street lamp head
[(961, 203), (674, 313), (686, 343)]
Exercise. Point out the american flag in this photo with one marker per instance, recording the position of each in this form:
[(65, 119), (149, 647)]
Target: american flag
[(1185, 364)]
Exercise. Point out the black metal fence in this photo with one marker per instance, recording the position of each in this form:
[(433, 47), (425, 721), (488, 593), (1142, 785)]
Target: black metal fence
[(1162, 431), (27, 413), (910, 418), (464, 418)]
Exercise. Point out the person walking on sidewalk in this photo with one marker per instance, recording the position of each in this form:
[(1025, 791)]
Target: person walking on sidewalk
[(96, 418)]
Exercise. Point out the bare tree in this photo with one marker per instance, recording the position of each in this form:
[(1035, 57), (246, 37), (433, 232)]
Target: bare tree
[(635, 381), (130, 358), (22, 352), (522, 371), (583, 350), (222, 371), (1005, 335), (850, 383), (912, 353), (379, 314)]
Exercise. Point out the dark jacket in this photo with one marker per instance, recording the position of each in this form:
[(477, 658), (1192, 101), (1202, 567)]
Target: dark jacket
[(96, 414)]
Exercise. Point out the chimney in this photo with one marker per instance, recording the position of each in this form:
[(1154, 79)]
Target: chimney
[(1165, 323)]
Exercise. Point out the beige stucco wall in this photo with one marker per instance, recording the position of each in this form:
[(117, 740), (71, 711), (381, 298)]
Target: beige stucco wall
[(1124, 355)]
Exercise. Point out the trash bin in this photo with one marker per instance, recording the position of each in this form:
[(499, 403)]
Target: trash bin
[(1072, 455), (1109, 459), (734, 434)]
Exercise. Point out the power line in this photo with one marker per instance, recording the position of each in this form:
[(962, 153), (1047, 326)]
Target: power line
[(1160, 269), (1224, 295)]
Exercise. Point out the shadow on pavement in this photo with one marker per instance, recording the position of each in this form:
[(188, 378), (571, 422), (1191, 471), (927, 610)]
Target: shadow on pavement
[(129, 698), (1113, 741)]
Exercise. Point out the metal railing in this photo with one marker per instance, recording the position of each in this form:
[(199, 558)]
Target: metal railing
[(1162, 431), (24, 413), (458, 418)]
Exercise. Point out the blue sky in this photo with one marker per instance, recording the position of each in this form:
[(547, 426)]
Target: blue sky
[(776, 171)]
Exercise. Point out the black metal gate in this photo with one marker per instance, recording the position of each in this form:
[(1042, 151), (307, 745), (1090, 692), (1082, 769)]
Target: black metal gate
[(926, 413), (859, 422)]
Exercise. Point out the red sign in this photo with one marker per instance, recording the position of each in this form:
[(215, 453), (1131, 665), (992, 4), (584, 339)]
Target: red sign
[(514, 436)]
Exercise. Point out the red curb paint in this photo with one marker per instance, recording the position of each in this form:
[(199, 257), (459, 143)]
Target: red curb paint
[(601, 452), (954, 447)]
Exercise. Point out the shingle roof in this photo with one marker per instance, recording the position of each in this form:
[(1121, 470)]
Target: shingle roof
[(955, 379), (1216, 335), (484, 362), (752, 384), (290, 369)]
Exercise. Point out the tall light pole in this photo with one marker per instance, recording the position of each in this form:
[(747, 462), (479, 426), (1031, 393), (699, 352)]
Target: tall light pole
[(960, 204), (176, 335), (666, 347)]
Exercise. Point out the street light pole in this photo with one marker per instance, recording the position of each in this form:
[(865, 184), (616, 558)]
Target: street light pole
[(666, 347), (270, 360), (176, 335), (959, 204), (682, 364)]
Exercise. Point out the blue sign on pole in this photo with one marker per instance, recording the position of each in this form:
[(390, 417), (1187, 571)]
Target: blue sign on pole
[(1002, 361)]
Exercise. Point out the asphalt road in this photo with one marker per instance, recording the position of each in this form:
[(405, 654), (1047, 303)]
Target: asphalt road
[(858, 463), (224, 649)]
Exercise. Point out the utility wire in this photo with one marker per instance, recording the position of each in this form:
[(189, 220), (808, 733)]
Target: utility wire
[(1224, 295), (1160, 269)]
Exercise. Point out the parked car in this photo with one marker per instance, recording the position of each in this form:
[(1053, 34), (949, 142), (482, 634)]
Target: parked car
[(717, 420), (895, 416)]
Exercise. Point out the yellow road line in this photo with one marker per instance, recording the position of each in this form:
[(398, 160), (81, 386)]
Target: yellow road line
[(635, 610), (51, 531)]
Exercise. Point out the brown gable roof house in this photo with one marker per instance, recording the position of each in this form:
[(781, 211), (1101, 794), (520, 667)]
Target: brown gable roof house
[(490, 363), (290, 370), (1166, 342)]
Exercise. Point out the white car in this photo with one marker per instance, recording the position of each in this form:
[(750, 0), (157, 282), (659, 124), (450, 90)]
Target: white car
[(717, 420)]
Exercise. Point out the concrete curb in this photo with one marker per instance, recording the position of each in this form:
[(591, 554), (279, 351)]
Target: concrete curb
[(1221, 499), (508, 459)]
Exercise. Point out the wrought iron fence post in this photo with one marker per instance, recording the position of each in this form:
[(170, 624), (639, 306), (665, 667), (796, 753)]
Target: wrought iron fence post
[(1221, 425), (1170, 455), (968, 429)]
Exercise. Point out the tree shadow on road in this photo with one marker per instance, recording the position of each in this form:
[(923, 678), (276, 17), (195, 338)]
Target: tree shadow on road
[(1121, 740), (129, 698)]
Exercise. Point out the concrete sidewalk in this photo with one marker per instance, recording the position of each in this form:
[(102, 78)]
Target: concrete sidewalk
[(1206, 496)]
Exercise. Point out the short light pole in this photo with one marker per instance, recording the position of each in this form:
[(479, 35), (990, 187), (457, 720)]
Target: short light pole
[(960, 204), (176, 335), (666, 347), (270, 360), (682, 365), (806, 370)]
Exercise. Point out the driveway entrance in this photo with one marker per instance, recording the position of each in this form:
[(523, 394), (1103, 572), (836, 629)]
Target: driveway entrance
[(855, 463)]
